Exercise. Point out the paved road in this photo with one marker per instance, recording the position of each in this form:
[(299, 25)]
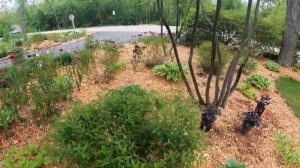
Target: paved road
[(119, 34)]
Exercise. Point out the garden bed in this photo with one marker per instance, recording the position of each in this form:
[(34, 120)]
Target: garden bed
[(257, 149)]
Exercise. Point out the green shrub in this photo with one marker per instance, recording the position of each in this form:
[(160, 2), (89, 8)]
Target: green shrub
[(48, 90), (15, 94), (38, 38), (129, 127), (251, 65), (287, 150), (112, 69), (154, 40), (3, 54), (272, 66), (19, 43), (296, 68), (259, 81), (204, 52), (249, 92), (271, 55), (233, 164), (169, 70), (109, 60), (64, 59), (7, 117), (64, 86), (28, 157), (71, 36), (153, 53)]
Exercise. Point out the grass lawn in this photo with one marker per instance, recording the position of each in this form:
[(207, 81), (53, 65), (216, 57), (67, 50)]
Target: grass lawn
[(290, 90)]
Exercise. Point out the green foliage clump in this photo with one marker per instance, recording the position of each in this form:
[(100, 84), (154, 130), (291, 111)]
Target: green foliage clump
[(113, 68), (258, 81), (7, 117), (18, 43), (3, 54), (204, 52), (169, 70), (64, 59), (154, 40), (48, 90), (251, 65), (14, 95), (154, 53), (272, 66), (129, 127), (64, 86), (287, 150), (110, 59), (71, 36), (37, 38), (31, 156), (289, 88), (248, 91), (233, 164)]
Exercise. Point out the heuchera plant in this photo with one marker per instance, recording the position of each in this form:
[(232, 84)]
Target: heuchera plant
[(253, 118)]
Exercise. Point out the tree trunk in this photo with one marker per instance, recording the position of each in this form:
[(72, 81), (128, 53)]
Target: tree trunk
[(177, 18), (22, 18), (288, 49), (57, 22)]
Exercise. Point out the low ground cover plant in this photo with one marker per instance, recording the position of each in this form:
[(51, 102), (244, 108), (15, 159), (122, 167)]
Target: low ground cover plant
[(272, 66), (258, 81), (7, 117), (251, 65), (37, 38), (65, 37), (233, 164), (248, 91), (129, 127), (169, 70), (31, 156), (287, 149), (64, 59), (204, 52), (289, 88)]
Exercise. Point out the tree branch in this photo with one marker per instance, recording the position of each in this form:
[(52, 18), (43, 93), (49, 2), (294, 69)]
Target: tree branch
[(213, 51), (200, 99), (175, 50)]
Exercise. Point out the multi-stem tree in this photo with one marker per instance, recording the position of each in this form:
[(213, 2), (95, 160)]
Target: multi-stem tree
[(211, 103)]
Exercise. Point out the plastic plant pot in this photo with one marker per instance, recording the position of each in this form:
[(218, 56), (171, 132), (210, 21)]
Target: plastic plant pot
[(208, 118), (251, 119)]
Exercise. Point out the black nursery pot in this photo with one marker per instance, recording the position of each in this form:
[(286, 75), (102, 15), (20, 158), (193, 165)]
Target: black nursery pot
[(246, 127), (208, 118), (251, 119)]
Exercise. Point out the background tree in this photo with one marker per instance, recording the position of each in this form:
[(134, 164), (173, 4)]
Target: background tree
[(22, 18), (288, 49)]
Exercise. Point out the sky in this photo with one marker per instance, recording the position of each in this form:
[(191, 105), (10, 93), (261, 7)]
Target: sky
[(9, 4)]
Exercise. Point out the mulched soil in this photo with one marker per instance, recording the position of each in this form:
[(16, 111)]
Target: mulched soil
[(257, 149)]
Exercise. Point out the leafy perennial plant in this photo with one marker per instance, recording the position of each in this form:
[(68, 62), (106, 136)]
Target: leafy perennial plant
[(129, 127)]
